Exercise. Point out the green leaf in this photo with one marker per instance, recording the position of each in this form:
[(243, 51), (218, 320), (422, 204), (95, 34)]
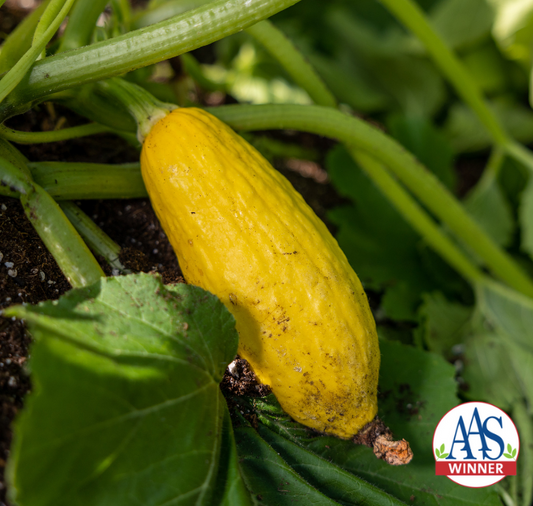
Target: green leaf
[(437, 452), (126, 404), (400, 301), (442, 448), (524, 424), (513, 28), (526, 218), (466, 133), (443, 324), (278, 471), (508, 311), (268, 477), (429, 145), (487, 204), (488, 373), (507, 455), (229, 485), (487, 68), (444, 455), (381, 246), (509, 448), (514, 453), (383, 58), (499, 363), (347, 84), (462, 23), (325, 476)]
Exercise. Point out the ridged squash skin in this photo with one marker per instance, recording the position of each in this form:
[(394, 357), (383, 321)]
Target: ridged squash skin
[(242, 232)]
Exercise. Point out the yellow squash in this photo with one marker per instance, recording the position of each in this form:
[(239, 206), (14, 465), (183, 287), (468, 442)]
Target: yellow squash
[(241, 231)]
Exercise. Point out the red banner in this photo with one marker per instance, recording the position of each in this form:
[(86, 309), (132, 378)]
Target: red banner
[(475, 468)]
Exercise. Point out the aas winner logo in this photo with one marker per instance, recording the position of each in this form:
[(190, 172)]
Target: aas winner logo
[(476, 445)]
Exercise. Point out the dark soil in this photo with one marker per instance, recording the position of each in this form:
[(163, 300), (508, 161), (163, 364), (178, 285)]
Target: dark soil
[(240, 380)]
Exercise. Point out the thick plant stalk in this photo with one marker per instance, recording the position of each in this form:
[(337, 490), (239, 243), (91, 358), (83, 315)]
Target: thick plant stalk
[(273, 40), (60, 238), (80, 181), (143, 106), (137, 49)]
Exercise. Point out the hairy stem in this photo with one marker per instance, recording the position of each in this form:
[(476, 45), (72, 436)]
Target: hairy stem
[(137, 49)]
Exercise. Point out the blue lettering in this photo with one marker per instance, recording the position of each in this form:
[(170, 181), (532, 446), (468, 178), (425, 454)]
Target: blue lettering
[(494, 437), (466, 447)]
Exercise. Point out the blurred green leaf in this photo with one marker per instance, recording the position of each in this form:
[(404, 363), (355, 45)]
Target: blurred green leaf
[(487, 204), (487, 68), (524, 424), (379, 244), (466, 133), (430, 146), (382, 58), (488, 374), (443, 323), (510, 312), (526, 218), (347, 84), (499, 353), (462, 23), (513, 28)]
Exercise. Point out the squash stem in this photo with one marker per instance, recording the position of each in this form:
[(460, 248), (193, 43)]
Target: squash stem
[(81, 181), (141, 104), (53, 135), (81, 24), (60, 238), (94, 236)]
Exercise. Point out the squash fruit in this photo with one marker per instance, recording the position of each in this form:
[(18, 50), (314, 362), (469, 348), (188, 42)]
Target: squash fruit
[(242, 232)]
